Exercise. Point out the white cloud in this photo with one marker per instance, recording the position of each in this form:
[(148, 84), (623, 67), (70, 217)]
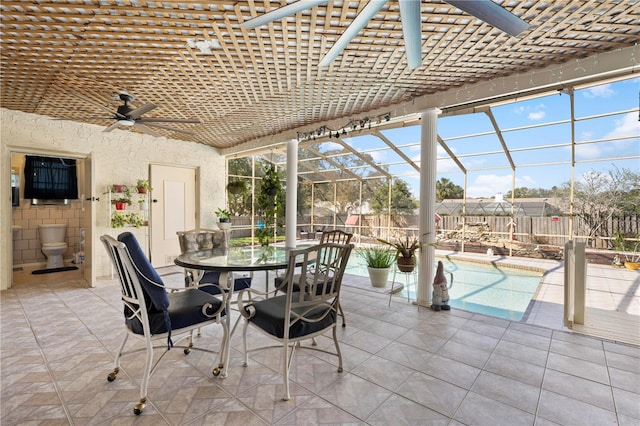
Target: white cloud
[(589, 151), (628, 125), (586, 135), (519, 110), (603, 91), (534, 116), (489, 185)]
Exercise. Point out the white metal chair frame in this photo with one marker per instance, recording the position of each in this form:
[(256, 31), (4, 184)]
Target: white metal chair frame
[(305, 314), (133, 299)]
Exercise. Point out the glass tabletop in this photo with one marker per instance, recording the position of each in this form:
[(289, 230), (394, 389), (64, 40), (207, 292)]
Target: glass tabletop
[(237, 259)]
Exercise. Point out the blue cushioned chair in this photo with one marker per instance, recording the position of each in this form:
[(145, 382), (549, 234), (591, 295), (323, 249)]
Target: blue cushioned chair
[(334, 236), (152, 314), (304, 311)]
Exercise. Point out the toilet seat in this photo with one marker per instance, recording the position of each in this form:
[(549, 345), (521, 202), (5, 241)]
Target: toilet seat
[(54, 246)]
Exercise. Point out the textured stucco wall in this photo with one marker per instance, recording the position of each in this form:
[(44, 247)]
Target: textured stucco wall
[(117, 156)]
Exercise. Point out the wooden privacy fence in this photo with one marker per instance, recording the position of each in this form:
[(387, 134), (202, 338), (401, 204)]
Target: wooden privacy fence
[(548, 230)]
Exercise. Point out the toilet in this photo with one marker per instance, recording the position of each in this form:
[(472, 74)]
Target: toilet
[(54, 243)]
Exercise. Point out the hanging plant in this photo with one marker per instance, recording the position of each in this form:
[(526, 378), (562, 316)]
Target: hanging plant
[(270, 202), (271, 183), (237, 186)]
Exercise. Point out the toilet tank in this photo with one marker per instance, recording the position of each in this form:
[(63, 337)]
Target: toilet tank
[(52, 233)]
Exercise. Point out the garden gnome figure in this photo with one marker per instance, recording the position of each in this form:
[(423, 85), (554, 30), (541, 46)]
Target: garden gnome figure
[(440, 291)]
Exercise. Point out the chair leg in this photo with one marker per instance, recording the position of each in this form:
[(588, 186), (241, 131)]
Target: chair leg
[(344, 324), (139, 407), (116, 363), (285, 369), (244, 342), (335, 341)]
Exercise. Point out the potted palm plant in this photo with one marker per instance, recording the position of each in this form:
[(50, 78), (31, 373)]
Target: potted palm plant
[(224, 218), (378, 260), (405, 252)]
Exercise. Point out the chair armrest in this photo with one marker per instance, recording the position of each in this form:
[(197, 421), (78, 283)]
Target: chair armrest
[(248, 296)]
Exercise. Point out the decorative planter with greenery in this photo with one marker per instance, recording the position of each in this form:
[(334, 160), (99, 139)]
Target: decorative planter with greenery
[(121, 203), (224, 218), (120, 219), (378, 260), (143, 186), (405, 252), (628, 249), (121, 189)]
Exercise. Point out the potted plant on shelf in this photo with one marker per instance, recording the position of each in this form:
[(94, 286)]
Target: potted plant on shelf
[(379, 260), (224, 218), (143, 186), (405, 252), (120, 189)]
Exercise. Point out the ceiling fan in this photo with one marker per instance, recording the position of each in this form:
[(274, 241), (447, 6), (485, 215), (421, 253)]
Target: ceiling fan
[(485, 10), (126, 115)]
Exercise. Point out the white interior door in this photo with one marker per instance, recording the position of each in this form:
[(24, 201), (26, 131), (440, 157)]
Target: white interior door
[(173, 209)]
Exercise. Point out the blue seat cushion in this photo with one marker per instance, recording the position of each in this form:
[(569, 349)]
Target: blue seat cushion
[(270, 314), (211, 277), (185, 309), (158, 295)]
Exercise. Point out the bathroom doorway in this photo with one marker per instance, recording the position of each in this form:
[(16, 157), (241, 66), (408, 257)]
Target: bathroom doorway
[(78, 215)]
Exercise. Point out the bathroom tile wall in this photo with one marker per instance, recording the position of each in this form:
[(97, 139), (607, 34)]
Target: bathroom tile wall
[(26, 244)]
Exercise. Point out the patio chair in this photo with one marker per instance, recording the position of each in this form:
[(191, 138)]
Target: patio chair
[(207, 239), (152, 314), (300, 314), (336, 236)]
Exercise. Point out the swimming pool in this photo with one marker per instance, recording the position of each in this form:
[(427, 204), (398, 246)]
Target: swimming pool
[(482, 288)]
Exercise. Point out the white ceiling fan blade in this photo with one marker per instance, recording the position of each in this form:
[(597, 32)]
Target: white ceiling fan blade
[(493, 14), (112, 127), (168, 120), (281, 12), (412, 32), (357, 24), (136, 113), (173, 129), (146, 129)]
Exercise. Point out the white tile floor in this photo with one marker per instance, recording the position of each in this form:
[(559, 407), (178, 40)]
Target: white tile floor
[(401, 365)]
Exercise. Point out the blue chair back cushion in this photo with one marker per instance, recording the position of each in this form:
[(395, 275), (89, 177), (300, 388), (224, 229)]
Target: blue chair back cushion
[(269, 316), (158, 295), (185, 309), (211, 277)]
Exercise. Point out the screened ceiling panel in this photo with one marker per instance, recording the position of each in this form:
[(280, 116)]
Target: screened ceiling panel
[(540, 110), (475, 144), (538, 136)]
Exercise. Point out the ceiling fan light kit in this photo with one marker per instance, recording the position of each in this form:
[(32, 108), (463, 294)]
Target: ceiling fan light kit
[(485, 10)]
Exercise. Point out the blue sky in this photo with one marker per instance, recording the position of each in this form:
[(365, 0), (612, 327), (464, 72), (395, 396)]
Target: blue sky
[(616, 135)]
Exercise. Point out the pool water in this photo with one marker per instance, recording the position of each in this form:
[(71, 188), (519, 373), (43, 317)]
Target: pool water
[(486, 289)]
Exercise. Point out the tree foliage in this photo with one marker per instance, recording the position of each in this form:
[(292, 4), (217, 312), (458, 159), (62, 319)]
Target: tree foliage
[(524, 192), (402, 202), (447, 190), (600, 195)]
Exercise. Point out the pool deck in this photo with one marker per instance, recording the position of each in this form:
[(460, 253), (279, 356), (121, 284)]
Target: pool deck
[(612, 302)]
